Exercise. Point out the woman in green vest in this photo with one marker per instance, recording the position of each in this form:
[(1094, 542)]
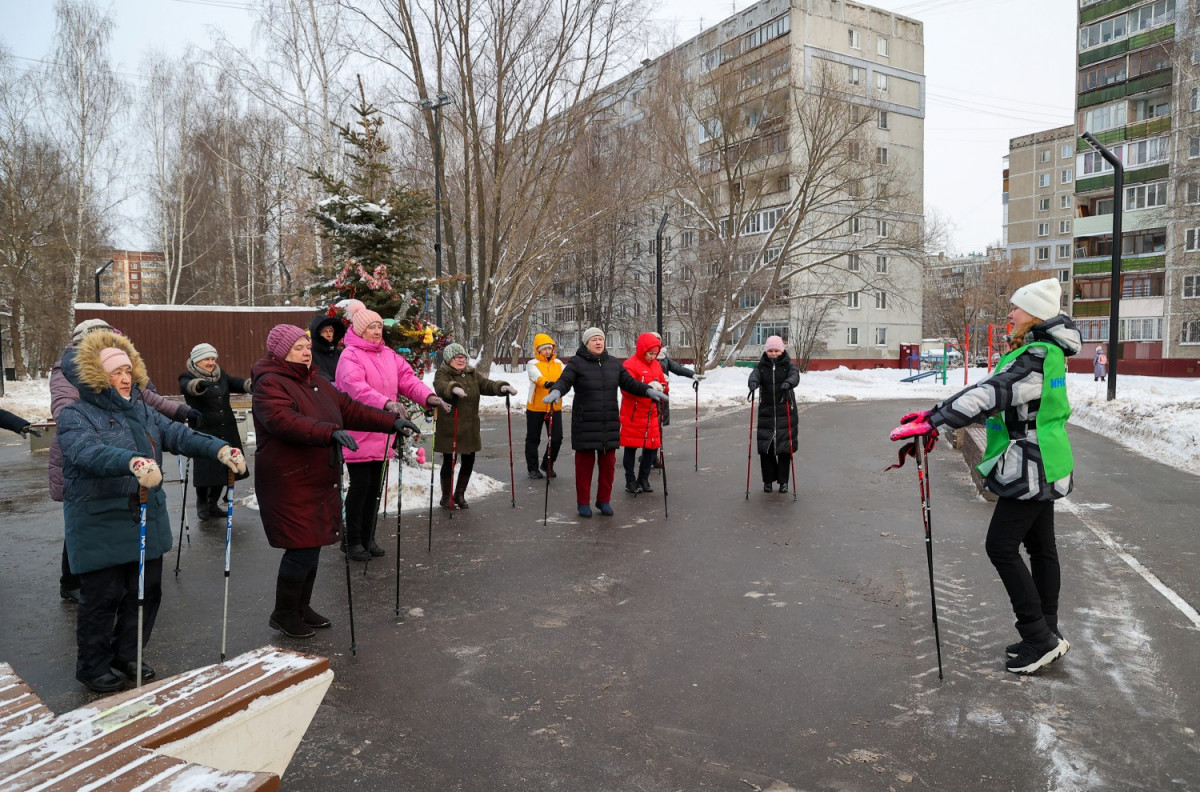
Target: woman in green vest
[(1027, 462)]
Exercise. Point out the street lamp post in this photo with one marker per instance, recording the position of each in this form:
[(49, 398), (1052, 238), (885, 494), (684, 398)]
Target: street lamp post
[(658, 244), (5, 314), (107, 264), (1114, 309), (429, 104)]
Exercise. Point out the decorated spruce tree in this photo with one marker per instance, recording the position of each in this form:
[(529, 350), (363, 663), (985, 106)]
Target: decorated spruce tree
[(371, 222)]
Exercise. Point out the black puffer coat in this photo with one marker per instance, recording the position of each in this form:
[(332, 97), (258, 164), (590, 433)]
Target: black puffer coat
[(774, 404), (596, 413), (216, 419), (326, 353)]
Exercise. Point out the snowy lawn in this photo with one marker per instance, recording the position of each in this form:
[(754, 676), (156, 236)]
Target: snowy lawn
[(1158, 417)]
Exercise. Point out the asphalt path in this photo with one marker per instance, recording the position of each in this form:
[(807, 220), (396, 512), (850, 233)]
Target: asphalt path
[(740, 644)]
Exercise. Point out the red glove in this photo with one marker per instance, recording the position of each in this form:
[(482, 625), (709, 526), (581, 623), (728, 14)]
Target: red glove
[(917, 416), (911, 429)]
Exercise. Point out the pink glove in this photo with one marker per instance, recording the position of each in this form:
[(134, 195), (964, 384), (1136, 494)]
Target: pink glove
[(912, 429), (917, 416), (420, 456)]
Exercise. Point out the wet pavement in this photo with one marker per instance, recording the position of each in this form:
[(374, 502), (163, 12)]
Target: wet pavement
[(736, 645)]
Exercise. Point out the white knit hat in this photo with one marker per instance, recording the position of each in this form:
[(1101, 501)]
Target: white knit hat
[(591, 333), (202, 351), (1041, 299)]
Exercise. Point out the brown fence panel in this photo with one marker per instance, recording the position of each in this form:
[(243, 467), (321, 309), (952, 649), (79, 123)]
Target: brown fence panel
[(165, 334)]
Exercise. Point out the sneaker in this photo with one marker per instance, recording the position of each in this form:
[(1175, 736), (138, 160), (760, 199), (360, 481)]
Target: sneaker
[(1012, 649), (783, 487), (644, 485), (1031, 657), (585, 510), (605, 509), (107, 682), (632, 488), (534, 473), (549, 471)]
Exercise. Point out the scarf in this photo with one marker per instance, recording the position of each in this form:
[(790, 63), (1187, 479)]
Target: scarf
[(202, 374)]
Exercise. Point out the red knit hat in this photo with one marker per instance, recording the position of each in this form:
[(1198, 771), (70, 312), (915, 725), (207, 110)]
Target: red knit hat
[(281, 338)]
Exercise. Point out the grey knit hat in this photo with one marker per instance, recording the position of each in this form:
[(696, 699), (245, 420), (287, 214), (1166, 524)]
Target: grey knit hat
[(87, 326), (452, 351), (591, 333), (201, 352)]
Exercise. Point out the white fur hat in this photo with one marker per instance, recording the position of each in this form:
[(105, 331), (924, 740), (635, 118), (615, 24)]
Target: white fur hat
[(1040, 298)]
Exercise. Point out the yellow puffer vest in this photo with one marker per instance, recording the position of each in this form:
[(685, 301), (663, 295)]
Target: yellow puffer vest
[(542, 371)]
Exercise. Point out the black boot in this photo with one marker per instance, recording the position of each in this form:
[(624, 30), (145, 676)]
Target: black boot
[(286, 617), (215, 512), (644, 485), (446, 494), (202, 509), (460, 491), (307, 614), (369, 542), (354, 541)]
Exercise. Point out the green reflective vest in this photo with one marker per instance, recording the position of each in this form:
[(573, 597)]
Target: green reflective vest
[(1051, 420)]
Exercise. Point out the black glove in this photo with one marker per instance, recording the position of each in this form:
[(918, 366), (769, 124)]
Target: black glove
[(193, 418), (343, 438), (785, 386), (550, 383), (405, 427), (28, 429)]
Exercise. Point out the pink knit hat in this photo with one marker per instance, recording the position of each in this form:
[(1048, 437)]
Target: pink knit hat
[(774, 344), (281, 338), (363, 318), (112, 358)]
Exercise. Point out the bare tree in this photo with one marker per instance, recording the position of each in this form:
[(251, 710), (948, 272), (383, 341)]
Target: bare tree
[(962, 293), (526, 78), (85, 108)]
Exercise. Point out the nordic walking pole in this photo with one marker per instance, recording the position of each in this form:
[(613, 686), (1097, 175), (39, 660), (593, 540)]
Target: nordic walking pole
[(183, 519), (512, 481), (380, 495), (341, 467), (399, 509), (142, 493), (228, 544), (432, 465), (453, 458), (923, 483), (696, 388), (663, 458), (750, 446), (646, 441), (549, 464), (791, 447)]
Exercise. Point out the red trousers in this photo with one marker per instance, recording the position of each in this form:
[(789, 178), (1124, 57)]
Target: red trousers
[(584, 461)]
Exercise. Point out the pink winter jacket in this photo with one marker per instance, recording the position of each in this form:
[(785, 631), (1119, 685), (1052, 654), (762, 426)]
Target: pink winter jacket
[(374, 375)]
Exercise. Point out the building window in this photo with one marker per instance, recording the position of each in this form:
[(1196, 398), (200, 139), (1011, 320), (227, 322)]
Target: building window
[(1192, 239), (852, 225), (1066, 201), (1146, 196), (855, 40), (881, 82), (881, 155), (883, 119), (855, 76), (1043, 253), (1195, 99), (749, 299), (1064, 226), (1044, 205), (852, 262), (1064, 276), (881, 264), (852, 300), (852, 336), (1067, 176), (881, 300), (1044, 156), (1067, 151), (1193, 192), (881, 47), (881, 228), (1044, 180), (881, 336), (1064, 251), (1191, 287), (1190, 332), (1043, 229), (764, 330), (687, 239)]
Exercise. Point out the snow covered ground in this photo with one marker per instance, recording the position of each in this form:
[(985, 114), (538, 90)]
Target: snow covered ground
[(1157, 417)]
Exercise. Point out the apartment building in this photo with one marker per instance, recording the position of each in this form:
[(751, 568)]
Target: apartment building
[(1136, 95), (774, 54), (134, 278)]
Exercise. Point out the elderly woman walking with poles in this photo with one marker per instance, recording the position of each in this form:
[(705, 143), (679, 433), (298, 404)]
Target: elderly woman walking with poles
[(112, 444), (206, 388)]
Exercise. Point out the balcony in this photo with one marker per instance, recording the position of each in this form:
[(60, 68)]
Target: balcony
[(1130, 262), (1102, 225)]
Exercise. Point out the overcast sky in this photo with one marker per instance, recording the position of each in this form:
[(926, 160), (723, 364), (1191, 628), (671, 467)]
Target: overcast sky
[(995, 69)]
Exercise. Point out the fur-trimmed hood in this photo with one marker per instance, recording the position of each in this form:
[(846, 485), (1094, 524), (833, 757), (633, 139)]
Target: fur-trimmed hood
[(82, 364)]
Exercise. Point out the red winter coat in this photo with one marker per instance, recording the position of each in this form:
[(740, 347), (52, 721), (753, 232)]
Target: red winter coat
[(640, 412), (296, 470)]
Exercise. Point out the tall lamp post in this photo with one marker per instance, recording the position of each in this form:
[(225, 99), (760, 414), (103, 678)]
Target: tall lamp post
[(658, 261), (4, 314), (1114, 310), (436, 107), (107, 264)]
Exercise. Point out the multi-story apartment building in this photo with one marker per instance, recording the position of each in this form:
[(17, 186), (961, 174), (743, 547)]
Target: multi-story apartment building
[(135, 278), (1040, 204), (759, 66), (1136, 95)]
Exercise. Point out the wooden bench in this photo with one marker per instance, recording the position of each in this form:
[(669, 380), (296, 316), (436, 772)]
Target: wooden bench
[(230, 726)]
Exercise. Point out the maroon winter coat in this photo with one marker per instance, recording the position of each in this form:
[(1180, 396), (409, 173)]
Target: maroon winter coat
[(296, 412)]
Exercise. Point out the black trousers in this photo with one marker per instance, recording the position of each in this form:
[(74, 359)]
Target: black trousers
[(106, 624), (297, 562), (1033, 590), (775, 467), (362, 500), (67, 580), (534, 423), (648, 455), (462, 468)]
